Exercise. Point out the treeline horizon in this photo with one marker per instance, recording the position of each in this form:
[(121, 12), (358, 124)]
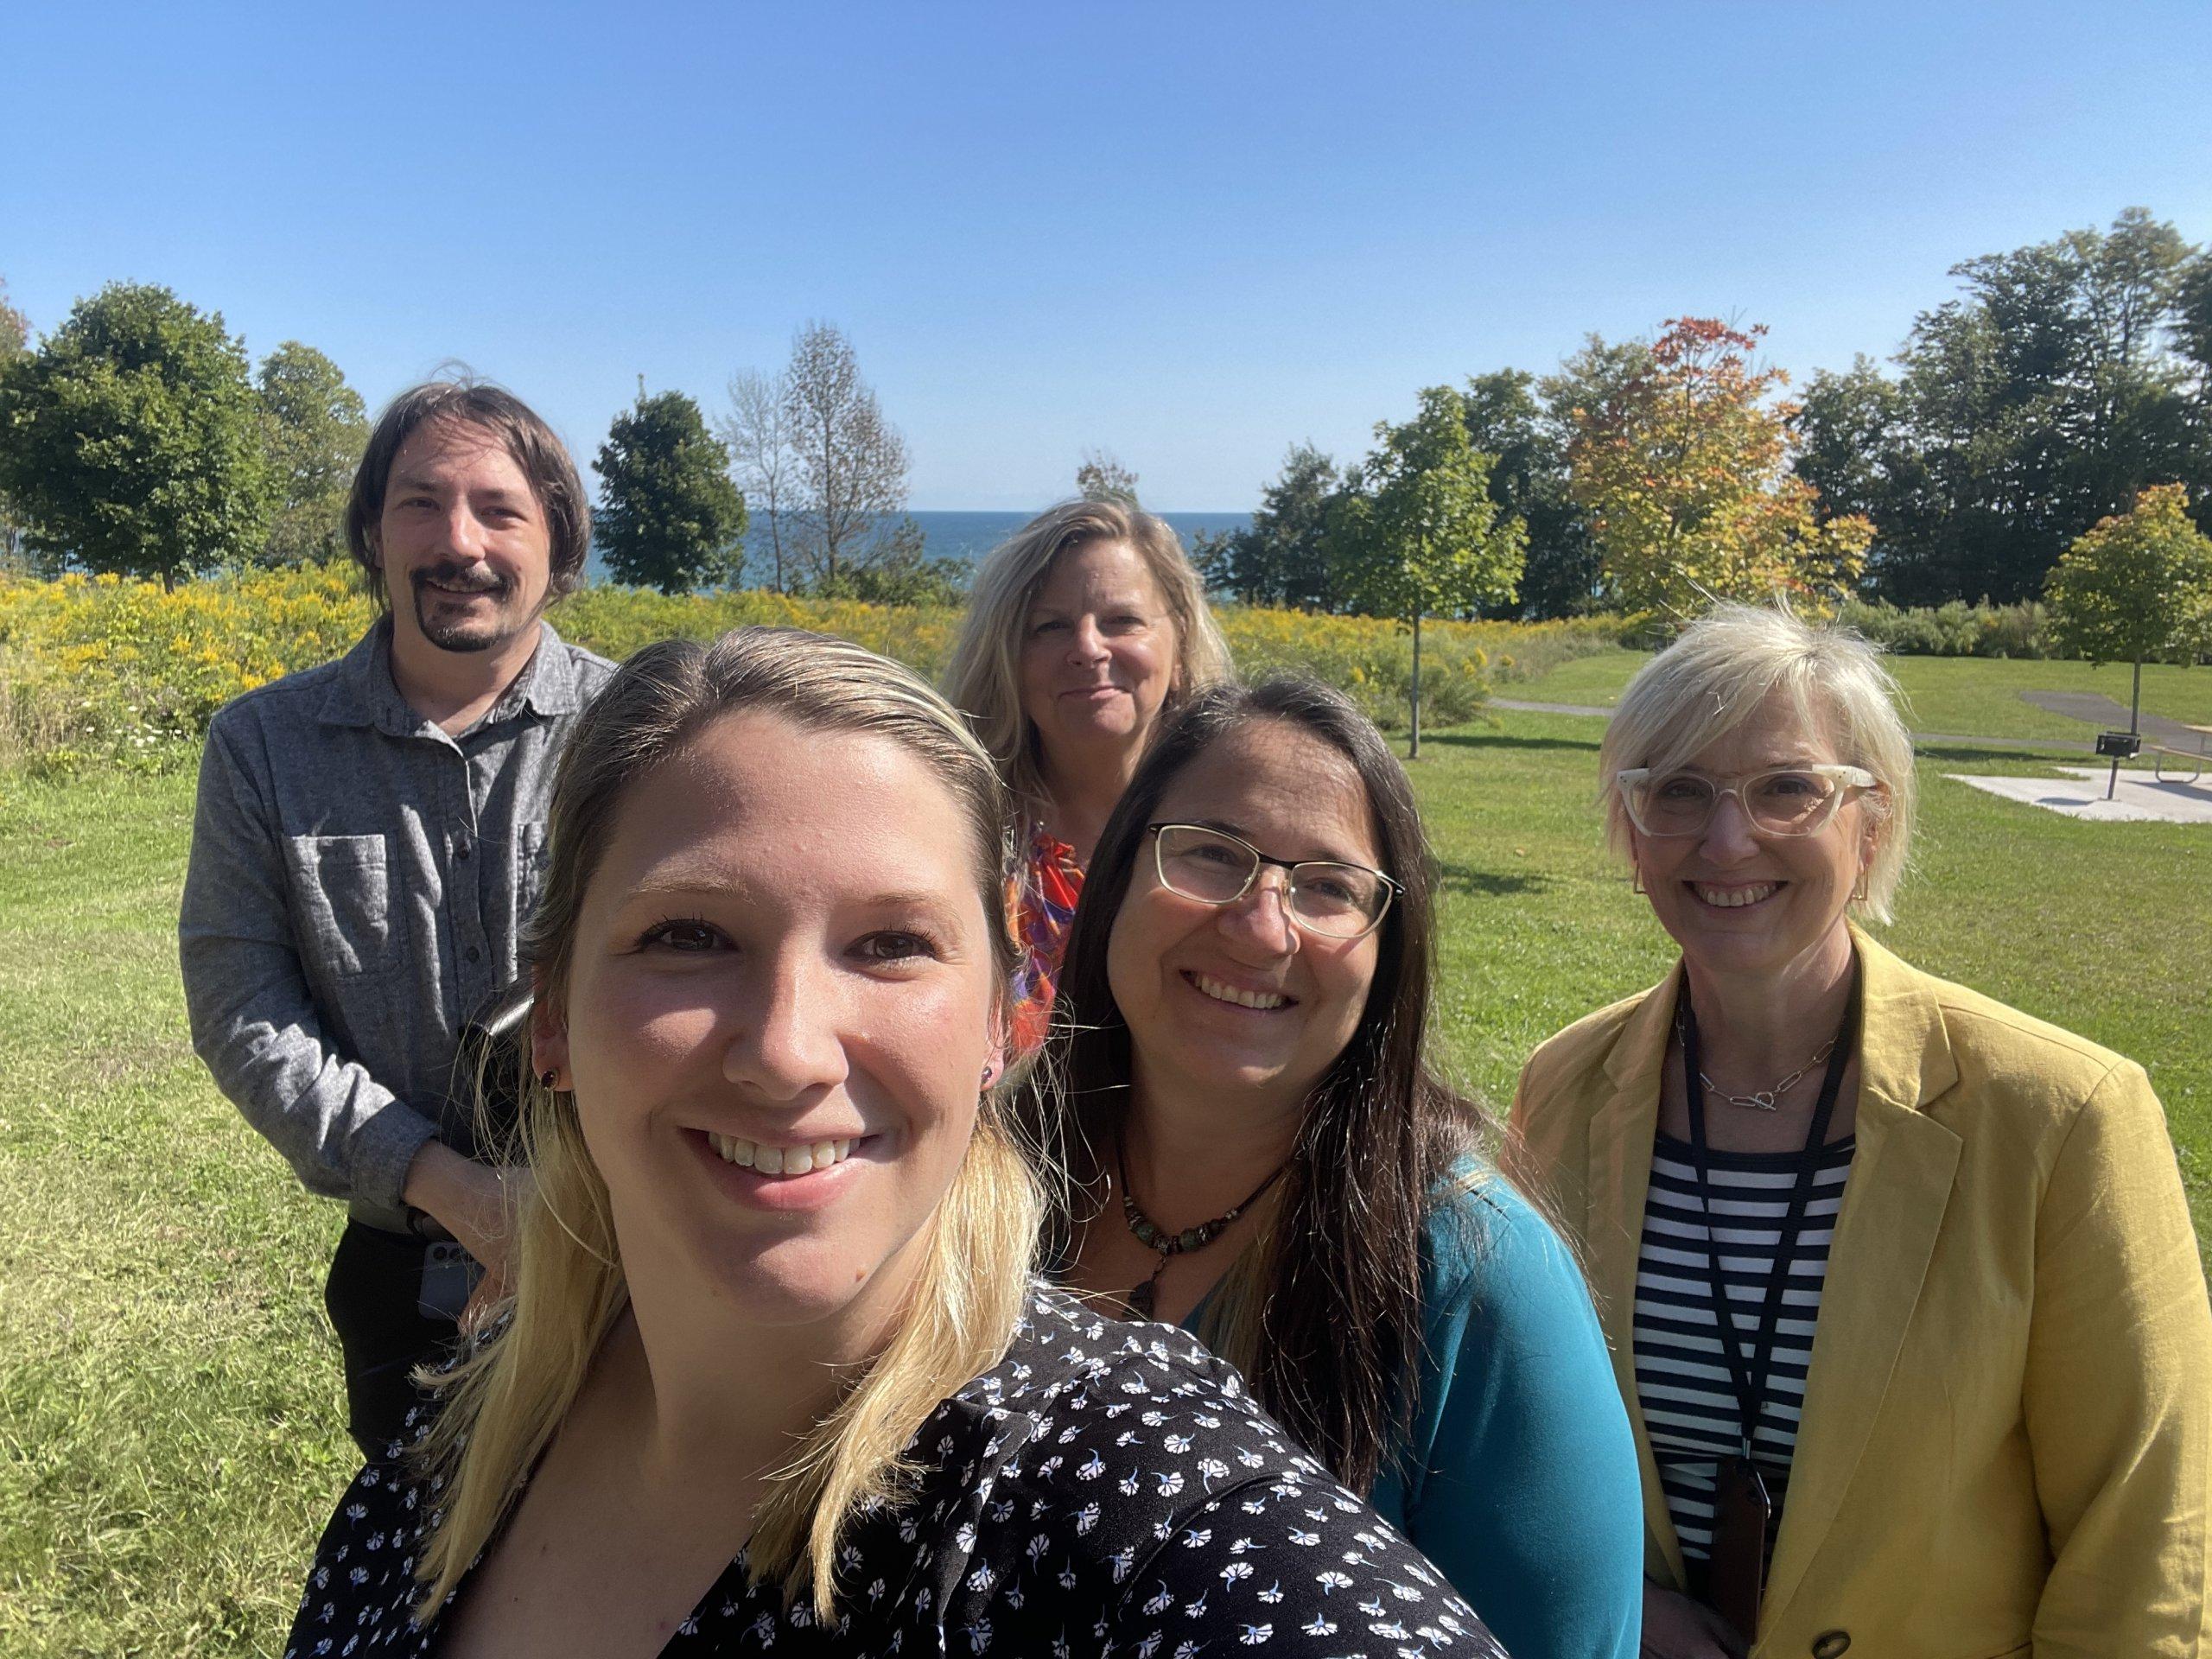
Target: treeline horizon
[(2065, 379)]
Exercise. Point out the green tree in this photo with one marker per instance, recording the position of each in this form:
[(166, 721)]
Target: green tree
[(15, 342), (1594, 378), (1420, 536), (1529, 481), (1856, 448), (2193, 337), (1101, 477), (316, 428), (668, 516), (1283, 557), (132, 439), (2066, 378), (2136, 586), (2193, 319)]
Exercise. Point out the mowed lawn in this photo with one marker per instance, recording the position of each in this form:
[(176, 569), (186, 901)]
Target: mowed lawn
[(1956, 695), (169, 1392)]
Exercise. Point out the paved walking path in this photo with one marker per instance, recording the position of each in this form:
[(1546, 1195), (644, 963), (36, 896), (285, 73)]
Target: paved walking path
[(2081, 794), (2106, 714), (1920, 740), (1518, 707)]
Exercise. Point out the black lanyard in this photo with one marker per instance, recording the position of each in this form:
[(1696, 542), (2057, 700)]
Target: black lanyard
[(1748, 1373)]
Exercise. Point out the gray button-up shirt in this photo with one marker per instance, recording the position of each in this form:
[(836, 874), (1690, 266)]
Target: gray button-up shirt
[(358, 880)]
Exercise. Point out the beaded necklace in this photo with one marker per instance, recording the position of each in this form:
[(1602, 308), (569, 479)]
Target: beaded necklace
[(1149, 1233)]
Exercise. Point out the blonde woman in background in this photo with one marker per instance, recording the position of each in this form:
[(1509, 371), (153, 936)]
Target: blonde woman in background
[(775, 1372), (1081, 631), (1967, 1408)]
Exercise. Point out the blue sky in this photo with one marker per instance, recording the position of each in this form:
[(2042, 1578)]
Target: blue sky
[(1190, 233)]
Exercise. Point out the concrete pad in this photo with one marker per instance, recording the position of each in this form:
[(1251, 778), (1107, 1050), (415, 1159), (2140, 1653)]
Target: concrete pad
[(2140, 799)]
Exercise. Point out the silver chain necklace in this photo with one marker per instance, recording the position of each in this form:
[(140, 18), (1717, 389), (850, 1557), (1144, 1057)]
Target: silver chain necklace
[(1766, 1100)]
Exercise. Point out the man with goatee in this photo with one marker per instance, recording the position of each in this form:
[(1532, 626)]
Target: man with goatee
[(367, 849)]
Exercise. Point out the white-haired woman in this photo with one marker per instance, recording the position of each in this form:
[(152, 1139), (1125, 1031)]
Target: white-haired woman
[(775, 1372), (1081, 629), (1968, 1406)]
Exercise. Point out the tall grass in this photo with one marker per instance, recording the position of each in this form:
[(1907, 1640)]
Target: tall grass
[(102, 671)]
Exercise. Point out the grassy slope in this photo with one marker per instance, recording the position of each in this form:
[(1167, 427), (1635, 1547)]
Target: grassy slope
[(1948, 694), (168, 1394)]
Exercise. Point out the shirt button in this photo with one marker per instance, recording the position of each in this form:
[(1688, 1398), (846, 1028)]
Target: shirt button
[(1831, 1644), (461, 847), (472, 953)]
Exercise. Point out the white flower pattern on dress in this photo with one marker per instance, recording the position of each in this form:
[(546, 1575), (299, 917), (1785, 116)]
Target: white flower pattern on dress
[(1012, 1541)]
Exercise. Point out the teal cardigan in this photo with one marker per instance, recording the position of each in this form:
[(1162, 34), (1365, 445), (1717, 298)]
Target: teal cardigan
[(1519, 1476)]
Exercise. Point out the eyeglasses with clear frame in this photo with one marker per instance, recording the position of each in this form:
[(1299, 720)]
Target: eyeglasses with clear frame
[(1335, 900), (1781, 801)]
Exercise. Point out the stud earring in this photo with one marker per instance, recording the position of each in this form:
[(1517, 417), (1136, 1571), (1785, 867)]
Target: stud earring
[(990, 1072), (545, 1077)]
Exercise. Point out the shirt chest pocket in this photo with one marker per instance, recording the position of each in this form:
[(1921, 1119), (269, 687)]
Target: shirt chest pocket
[(350, 927), (529, 846)]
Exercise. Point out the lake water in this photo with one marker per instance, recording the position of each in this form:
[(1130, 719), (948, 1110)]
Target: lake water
[(968, 535)]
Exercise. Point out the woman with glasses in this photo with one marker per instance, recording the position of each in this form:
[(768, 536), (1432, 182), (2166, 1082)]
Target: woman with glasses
[(1083, 629), (1966, 1403), (775, 1374), (1263, 1152)]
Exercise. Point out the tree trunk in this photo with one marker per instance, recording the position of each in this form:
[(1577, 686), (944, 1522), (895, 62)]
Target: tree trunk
[(1413, 752)]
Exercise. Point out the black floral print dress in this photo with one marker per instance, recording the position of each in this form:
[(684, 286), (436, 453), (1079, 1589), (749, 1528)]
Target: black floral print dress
[(1107, 1489)]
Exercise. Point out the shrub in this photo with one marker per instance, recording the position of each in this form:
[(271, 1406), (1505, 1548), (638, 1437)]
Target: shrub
[(615, 621), (1371, 659), (1954, 629), (100, 670)]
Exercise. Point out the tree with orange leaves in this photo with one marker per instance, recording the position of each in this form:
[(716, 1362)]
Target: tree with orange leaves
[(1680, 456)]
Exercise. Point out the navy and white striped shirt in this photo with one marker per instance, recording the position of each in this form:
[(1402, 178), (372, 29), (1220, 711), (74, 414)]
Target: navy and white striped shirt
[(1682, 1374)]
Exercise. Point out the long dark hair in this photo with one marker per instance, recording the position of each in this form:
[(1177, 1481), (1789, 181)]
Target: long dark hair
[(1329, 1331)]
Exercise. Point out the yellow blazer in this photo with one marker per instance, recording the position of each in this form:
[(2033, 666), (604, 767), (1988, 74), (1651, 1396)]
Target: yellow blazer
[(2006, 1445)]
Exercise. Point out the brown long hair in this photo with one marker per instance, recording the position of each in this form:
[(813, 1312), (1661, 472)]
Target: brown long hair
[(1323, 1311)]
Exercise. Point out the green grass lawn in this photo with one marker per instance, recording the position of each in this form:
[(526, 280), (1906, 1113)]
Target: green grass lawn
[(169, 1399), (1968, 697), (2102, 928), (1592, 681)]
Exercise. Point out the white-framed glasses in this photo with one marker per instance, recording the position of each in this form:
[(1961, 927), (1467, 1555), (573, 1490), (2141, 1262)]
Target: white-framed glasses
[(1338, 900), (1782, 801)]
